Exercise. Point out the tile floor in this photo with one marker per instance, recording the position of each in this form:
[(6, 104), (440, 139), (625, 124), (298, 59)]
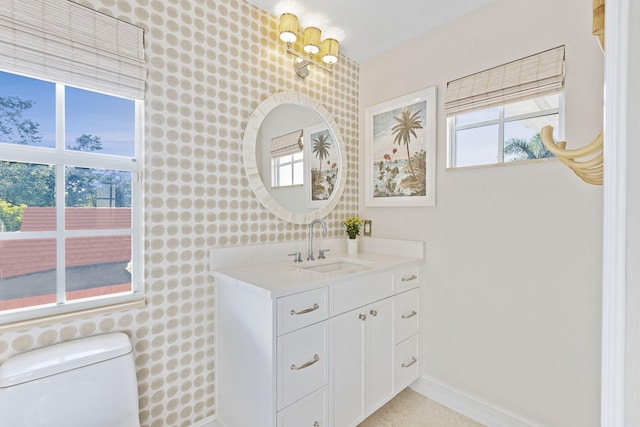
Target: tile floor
[(411, 409)]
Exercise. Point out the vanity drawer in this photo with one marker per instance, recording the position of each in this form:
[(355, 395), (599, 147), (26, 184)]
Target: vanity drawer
[(302, 363), (310, 411), (407, 314), (407, 362), (299, 310), (408, 277), (349, 294)]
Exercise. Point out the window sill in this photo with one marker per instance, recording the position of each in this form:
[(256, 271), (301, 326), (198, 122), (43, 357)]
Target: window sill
[(74, 310), (506, 164)]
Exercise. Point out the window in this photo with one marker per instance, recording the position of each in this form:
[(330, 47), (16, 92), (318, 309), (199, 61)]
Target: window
[(288, 170), (67, 199), (502, 134), (495, 116), (287, 160), (70, 136)]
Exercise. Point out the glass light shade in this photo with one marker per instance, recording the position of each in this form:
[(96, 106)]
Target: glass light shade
[(288, 27), (311, 40), (329, 51)]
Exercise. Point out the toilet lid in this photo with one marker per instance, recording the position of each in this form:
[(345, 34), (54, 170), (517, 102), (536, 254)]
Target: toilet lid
[(57, 358)]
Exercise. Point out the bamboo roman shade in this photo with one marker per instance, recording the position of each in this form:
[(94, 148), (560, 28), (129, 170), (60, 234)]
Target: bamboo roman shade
[(526, 78), (286, 144), (62, 41)]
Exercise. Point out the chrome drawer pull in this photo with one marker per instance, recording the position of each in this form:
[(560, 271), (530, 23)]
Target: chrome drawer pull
[(305, 311), (409, 278), (413, 360), (373, 313), (316, 424), (409, 316), (305, 365)]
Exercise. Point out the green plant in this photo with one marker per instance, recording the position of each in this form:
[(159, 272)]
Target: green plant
[(10, 216), (352, 225)]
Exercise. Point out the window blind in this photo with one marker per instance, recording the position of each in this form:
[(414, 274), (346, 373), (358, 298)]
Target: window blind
[(526, 78), (286, 144), (62, 41)]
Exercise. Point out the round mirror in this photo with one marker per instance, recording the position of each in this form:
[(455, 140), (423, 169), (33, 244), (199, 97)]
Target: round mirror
[(293, 157)]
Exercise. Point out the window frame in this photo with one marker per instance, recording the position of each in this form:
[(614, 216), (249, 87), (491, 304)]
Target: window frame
[(500, 121), (61, 157), (277, 163)]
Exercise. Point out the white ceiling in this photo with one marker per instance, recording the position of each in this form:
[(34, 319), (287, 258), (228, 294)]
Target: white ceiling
[(366, 28)]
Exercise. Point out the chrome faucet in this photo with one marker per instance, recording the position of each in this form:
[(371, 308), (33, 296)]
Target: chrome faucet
[(324, 233)]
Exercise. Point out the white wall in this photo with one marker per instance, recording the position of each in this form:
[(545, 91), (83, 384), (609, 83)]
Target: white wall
[(512, 298)]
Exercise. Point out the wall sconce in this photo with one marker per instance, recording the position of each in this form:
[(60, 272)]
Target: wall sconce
[(326, 50)]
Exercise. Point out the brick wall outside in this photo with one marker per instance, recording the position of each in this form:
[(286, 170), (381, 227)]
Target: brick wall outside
[(18, 257)]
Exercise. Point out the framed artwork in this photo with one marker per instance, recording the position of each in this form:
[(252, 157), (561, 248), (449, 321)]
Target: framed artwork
[(322, 160), (400, 151)]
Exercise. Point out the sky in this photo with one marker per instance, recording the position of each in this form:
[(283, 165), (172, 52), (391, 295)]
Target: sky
[(108, 117)]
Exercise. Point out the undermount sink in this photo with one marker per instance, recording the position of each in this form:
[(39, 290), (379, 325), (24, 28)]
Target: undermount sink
[(337, 265)]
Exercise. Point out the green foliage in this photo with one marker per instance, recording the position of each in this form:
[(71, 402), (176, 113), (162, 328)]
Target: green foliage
[(27, 184), (24, 184), (416, 182), (352, 226), (10, 216), (316, 181), (14, 128), (87, 143), (522, 149)]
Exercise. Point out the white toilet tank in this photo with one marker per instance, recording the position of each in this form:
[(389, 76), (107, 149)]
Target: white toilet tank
[(89, 382)]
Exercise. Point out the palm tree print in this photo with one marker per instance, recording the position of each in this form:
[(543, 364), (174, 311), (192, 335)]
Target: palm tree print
[(406, 126), (321, 147)]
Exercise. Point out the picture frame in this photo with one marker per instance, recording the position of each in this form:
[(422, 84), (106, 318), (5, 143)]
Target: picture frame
[(400, 151), (320, 150)]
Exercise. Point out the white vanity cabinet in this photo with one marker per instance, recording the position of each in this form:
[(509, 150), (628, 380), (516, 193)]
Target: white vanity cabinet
[(313, 349), (374, 347), (271, 357), (362, 350)]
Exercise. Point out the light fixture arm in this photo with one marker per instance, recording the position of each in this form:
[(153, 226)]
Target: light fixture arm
[(305, 61)]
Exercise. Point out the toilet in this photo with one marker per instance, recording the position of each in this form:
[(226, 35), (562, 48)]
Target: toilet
[(89, 382)]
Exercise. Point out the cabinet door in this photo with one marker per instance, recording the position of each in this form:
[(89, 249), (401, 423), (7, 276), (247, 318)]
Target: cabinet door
[(380, 350), (347, 401)]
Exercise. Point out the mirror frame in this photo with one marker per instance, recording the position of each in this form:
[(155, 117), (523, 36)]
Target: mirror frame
[(250, 162)]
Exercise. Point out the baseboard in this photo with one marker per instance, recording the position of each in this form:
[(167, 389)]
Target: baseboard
[(483, 412)]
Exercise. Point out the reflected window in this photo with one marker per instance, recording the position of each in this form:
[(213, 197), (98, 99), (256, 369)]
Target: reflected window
[(287, 160)]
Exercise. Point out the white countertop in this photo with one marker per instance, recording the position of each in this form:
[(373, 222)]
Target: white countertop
[(277, 278)]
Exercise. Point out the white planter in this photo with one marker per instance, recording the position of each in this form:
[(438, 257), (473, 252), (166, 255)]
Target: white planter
[(352, 246)]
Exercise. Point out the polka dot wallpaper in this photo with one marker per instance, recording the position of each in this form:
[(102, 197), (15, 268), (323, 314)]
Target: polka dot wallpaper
[(210, 62)]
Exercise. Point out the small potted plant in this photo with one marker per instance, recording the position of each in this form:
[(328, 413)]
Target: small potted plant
[(352, 226)]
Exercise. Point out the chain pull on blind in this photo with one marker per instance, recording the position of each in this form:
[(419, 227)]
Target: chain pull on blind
[(526, 78), (65, 42)]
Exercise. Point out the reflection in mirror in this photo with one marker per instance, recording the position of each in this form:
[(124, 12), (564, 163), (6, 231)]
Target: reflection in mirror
[(297, 157), (293, 157)]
